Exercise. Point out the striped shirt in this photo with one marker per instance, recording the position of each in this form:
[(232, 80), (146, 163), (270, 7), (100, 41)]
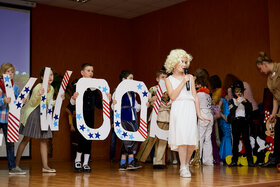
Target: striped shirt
[(4, 107)]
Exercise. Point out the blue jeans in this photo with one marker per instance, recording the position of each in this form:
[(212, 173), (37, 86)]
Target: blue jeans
[(9, 147)]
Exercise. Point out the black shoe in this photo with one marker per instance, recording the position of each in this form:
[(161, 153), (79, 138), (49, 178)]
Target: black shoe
[(133, 166), (86, 169), (122, 167), (270, 163), (251, 164), (232, 164), (78, 167), (159, 167)]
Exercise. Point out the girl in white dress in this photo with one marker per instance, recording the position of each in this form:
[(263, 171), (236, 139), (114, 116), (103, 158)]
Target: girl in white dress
[(183, 132)]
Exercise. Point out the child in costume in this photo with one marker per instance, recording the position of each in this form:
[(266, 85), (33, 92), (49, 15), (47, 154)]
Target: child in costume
[(9, 69), (205, 127), (163, 123), (31, 121), (216, 90), (129, 109), (183, 132), (91, 100), (239, 117)]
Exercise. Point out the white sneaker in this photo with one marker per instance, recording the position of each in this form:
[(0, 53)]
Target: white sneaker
[(188, 173), (175, 162), (185, 172)]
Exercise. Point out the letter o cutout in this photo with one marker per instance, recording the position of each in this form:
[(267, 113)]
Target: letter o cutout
[(154, 129), (140, 88), (103, 131)]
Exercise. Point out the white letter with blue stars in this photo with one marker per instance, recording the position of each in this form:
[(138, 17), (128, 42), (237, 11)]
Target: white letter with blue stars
[(103, 131), (47, 116), (15, 106), (140, 88)]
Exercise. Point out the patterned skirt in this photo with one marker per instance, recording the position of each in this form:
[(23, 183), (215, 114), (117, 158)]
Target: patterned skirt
[(32, 127)]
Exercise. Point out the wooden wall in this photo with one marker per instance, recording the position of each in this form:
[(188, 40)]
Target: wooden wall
[(224, 36), (64, 39)]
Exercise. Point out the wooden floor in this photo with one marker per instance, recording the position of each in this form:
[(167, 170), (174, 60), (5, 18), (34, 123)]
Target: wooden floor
[(106, 174)]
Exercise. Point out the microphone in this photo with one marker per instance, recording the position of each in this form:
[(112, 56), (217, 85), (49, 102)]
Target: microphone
[(186, 71)]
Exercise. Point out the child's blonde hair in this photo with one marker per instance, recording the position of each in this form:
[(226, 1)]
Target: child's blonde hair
[(5, 67), (175, 57)]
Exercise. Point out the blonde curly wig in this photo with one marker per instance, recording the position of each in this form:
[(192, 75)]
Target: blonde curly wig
[(175, 56)]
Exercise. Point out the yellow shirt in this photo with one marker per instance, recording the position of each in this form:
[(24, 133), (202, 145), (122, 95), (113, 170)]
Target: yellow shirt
[(34, 101)]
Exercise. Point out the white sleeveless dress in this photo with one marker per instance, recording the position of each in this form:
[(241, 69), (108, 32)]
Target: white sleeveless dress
[(183, 120)]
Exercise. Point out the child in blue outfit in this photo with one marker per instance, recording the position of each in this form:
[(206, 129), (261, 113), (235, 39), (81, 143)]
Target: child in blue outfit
[(129, 109), (9, 69)]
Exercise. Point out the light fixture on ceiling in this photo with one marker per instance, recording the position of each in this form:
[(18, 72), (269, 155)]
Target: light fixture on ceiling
[(19, 3), (81, 1)]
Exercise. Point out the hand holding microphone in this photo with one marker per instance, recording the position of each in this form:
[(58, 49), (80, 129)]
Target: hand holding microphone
[(186, 71)]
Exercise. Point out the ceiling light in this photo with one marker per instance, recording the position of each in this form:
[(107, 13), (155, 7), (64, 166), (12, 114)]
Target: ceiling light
[(81, 1)]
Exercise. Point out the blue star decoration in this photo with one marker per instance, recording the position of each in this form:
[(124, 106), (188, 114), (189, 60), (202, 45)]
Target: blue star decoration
[(7, 85), (55, 123), (104, 89), (44, 106), (97, 135), (131, 136), (99, 87), (49, 111), (21, 96), (90, 135), (88, 130), (119, 131), (26, 89), (117, 123), (43, 98), (124, 134), (139, 86), (55, 117), (18, 105), (117, 115), (145, 94), (15, 102), (82, 127), (7, 79), (78, 116)]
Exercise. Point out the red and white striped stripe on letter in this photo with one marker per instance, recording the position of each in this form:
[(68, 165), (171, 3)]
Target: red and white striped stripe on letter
[(157, 103), (13, 128)]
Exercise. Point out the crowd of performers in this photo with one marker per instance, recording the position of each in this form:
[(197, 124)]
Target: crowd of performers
[(209, 122)]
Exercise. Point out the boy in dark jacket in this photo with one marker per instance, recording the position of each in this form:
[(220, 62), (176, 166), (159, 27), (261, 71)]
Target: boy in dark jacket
[(240, 117)]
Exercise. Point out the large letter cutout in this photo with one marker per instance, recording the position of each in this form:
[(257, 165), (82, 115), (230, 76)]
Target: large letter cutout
[(15, 106), (141, 89), (103, 131), (47, 118), (154, 128)]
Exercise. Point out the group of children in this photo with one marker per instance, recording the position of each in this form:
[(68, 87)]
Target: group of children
[(30, 120), (235, 111), (232, 116)]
